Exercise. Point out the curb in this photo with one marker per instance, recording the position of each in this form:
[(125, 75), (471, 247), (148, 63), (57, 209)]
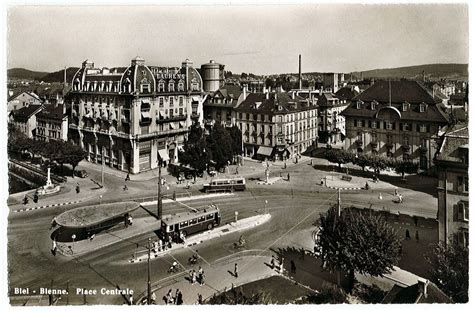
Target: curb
[(44, 206), (345, 188)]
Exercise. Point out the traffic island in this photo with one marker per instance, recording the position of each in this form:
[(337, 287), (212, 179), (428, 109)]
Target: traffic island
[(240, 225)]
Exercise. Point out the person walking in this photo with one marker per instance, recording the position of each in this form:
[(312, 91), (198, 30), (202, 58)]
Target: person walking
[(169, 297), (193, 277), (130, 299), (153, 298), (170, 241), (236, 271), (407, 235), (199, 299), (179, 297), (25, 199), (201, 279), (288, 177), (200, 274), (54, 248), (78, 188)]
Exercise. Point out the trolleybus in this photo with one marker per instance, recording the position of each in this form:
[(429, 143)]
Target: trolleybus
[(225, 184)]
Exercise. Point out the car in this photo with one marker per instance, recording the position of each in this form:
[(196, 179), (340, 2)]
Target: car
[(81, 173)]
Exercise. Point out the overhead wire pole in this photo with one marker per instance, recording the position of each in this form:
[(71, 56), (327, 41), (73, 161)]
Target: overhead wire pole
[(159, 203), (149, 276)]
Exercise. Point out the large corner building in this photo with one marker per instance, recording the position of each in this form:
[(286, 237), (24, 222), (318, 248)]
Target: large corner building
[(134, 117)]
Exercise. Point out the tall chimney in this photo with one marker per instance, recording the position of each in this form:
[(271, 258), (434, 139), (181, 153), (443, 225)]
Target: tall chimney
[(300, 80)]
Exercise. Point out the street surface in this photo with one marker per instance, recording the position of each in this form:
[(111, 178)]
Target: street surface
[(294, 206)]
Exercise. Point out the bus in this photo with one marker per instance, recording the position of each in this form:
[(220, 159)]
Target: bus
[(190, 222), (225, 184)]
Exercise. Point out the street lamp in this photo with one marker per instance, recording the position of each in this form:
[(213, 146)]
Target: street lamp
[(100, 199), (73, 238), (149, 278), (265, 210)]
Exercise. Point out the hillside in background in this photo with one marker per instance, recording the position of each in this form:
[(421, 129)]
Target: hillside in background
[(432, 71), (22, 73), (57, 76)]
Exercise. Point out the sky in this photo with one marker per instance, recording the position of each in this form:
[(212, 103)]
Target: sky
[(261, 39)]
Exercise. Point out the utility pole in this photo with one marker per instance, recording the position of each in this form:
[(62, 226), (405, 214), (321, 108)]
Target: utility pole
[(102, 173), (149, 278), (338, 202), (159, 204)]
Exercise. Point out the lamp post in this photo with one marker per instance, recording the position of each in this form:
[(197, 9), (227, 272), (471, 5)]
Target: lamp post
[(100, 199), (73, 238), (159, 203), (265, 210), (149, 277)]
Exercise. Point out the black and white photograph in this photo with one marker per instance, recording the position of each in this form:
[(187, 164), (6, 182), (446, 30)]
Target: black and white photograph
[(235, 153)]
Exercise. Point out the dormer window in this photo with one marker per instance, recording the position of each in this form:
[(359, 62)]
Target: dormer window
[(171, 87), (358, 104), (373, 105), (161, 87), (405, 106), (180, 86), (422, 107), (194, 87)]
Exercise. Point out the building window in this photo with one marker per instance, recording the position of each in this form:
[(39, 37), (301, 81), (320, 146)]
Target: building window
[(389, 139), (161, 102), (359, 123), (161, 87), (422, 108), (171, 101), (389, 126), (374, 124), (181, 100), (462, 211), (405, 140), (358, 104), (422, 128), (463, 184), (373, 105), (405, 127), (180, 111)]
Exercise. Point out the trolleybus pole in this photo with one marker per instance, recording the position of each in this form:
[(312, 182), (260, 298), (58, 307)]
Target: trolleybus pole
[(149, 278)]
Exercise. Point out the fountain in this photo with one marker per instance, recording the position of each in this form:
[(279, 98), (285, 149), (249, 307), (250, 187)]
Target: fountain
[(49, 188)]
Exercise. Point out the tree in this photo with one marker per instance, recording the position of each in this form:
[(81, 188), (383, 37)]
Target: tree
[(338, 156), (269, 83), (377, 163), (354, 242), (196, 153), (219, 142), (73, 154), (244, 75), (56, 151), (361, 160), (227, 74), (450, 270), (236, 136), (405, 167), (237, 297)]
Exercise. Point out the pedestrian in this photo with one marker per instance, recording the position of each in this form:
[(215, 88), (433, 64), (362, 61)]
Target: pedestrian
[(174, 195), (130, 299), (160, 244), (193, 277), (199, 299), (292, 267), (366, 186), (237, 170), (311, 162), (170, 241), (153, 298), (181, 237), (396, 191), (130, 220), (25, 199), (236, 271), (407, 235), (272, 262), (127, 178), (201, 279), (415, 219), (280, 268), (169, 297), (53, 223), (35, 197), (417, 237), (125, 188), (322, 182), (179, 297), (288, 176), (200, 272), (78, 189), (55, 247)]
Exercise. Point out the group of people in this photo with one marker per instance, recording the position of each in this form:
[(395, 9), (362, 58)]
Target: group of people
[(196, 276), (169, 299), (162, 245), (278, 264)]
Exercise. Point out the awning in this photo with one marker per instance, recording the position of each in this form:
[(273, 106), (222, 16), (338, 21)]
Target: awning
[(163, 155), (172, 125), (195, 99), (162, 113), (146, 115), (266, 151), (182, 124)]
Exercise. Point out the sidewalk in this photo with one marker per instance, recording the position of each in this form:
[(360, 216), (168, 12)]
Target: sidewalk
[(218, 277), (240, 225)]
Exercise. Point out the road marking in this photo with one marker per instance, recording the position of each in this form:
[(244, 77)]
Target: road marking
[(45, 206)]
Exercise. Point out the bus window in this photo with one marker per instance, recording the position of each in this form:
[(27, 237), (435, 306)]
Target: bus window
[(239, 182), (201, 219), (183, 224), (210, 216), (193, 221), (171, 228)]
